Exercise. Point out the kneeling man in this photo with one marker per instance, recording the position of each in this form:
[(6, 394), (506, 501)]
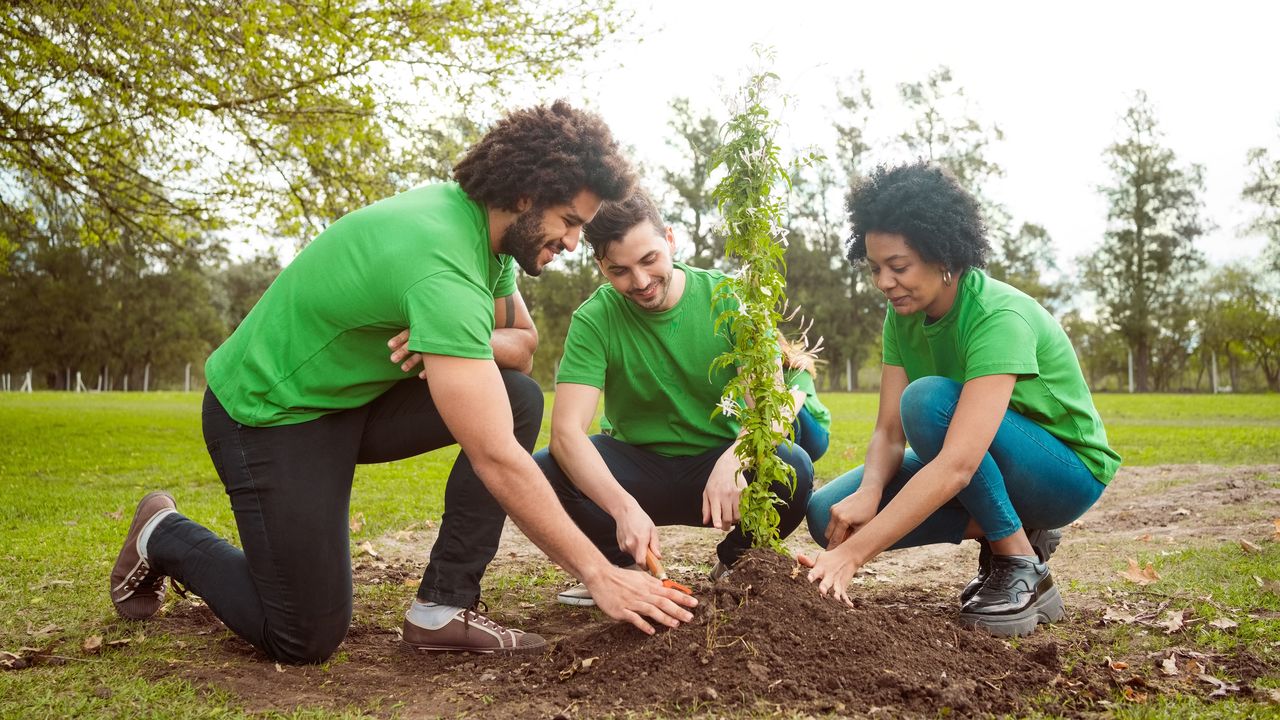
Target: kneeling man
[(647, 341)]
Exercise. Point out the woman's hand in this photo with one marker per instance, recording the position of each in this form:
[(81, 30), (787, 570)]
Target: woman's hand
[(832, 570), (850, 514)]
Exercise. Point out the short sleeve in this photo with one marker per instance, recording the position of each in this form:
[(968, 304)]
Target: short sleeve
[(1001, 343), (890, 341), (506, 284), (449, 315), (584, 360)]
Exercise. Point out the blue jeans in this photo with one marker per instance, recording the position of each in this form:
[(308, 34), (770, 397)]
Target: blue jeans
[(810, 435), (1027, 476)]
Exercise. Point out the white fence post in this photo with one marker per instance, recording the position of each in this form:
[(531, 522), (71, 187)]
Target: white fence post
[(146, 377), (187, 383), (126, 383), (1131, 370), (26, 384), (848, 374), (80, 383)]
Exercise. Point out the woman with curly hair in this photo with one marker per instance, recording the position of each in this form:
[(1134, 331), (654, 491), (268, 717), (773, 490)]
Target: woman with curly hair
[(983, 384)]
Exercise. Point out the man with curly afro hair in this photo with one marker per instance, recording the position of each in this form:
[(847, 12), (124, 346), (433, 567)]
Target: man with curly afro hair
[(1006, 445), (303, 391)]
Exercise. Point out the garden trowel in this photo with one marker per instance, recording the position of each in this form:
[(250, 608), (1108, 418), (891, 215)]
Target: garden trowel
[(656, 570)]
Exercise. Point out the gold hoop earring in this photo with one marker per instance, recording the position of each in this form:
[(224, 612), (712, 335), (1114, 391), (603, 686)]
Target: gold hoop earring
[(946, 278)]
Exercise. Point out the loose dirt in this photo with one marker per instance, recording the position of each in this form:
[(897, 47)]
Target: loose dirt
[(763, 643)]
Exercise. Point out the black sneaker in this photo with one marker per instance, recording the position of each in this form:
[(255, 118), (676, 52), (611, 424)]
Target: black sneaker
[(984, 570), (1044, 542), (1017, 596)]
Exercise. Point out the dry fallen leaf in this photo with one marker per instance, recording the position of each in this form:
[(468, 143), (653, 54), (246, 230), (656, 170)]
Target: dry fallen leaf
[(1181, 511), (1115, 664), (279, 667), (367, 548), (1221, 688), (119, 643), (1194, 668), (1224, 624), (412, 581), (1144, 537), (1077, 524), (44, 631), (1174, 621), (1249, 547), (357, 522), (1276, 536), (92, 644), (1134, 696), (1140, 575), (1118, 615), (795, 571), (586, 663), (117, 515), (1273, 694), (1169, 666)]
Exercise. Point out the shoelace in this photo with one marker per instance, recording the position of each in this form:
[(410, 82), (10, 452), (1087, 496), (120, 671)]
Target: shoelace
[(470, 616)]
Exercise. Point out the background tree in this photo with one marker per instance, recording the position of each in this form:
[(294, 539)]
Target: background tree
[(552, 297), (1263, 189), (1144, 272), (1242, 320), (1025, 260), (289, 113), (697, 138)]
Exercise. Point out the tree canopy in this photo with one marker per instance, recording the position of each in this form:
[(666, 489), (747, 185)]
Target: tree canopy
[(138, 114)]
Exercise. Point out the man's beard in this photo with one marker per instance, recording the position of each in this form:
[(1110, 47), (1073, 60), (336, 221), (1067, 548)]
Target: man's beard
[(524, 240)]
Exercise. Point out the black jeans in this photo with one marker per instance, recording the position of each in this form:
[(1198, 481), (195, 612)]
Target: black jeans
[(669, 489), (288, 592)]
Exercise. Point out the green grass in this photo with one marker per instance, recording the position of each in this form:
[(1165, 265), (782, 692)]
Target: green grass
[(73, 465)]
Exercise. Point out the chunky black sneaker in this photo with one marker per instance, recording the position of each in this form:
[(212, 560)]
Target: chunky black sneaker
[(984, 570), (1018, 595), (1044, 542)]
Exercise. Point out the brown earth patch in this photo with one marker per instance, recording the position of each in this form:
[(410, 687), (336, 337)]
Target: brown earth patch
[(763, 642)]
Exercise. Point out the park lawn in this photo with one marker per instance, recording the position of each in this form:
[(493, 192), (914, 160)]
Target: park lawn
[(72, 466)]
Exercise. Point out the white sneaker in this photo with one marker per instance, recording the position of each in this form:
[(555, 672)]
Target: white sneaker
[(579, 594)]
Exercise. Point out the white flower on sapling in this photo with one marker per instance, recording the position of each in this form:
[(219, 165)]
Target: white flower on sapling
[(728, 406)]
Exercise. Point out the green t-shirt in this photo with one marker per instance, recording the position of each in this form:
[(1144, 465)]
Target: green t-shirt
[(654, 367), (802, 380), (316, 342), (996, 329)]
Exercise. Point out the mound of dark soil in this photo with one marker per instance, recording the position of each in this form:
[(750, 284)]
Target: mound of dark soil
[(764, 636)]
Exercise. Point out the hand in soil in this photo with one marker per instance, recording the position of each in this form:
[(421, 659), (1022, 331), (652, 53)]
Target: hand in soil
[(722, 496), (632, 597), (832, 571)]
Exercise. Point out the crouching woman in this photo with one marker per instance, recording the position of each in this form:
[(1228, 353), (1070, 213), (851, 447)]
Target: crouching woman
[(982, 383)]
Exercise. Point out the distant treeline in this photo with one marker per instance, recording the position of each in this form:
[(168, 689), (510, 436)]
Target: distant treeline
[(122, 174)]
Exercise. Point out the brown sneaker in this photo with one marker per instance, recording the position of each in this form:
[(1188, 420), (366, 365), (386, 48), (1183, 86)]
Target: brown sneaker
[(137, 592), (470, 631)]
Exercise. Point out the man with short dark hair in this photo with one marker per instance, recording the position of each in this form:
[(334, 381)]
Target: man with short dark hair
[(647, 340), (302, 392)]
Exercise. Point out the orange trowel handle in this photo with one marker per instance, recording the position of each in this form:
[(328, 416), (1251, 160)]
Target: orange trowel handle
[(656, 569)]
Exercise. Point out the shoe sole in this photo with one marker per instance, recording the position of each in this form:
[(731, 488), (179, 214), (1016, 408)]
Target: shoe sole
[(1047, 609), (410, 648)]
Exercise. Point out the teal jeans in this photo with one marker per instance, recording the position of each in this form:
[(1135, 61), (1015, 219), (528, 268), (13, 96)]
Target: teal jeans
[(1027, 477)]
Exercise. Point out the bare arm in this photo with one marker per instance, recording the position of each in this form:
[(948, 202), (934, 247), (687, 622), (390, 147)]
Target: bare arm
[(574, 410), (471, 399), (983, 402), (884, 457), (514, 336)]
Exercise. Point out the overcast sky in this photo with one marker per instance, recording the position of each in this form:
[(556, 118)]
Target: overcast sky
[(1055, 79)]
